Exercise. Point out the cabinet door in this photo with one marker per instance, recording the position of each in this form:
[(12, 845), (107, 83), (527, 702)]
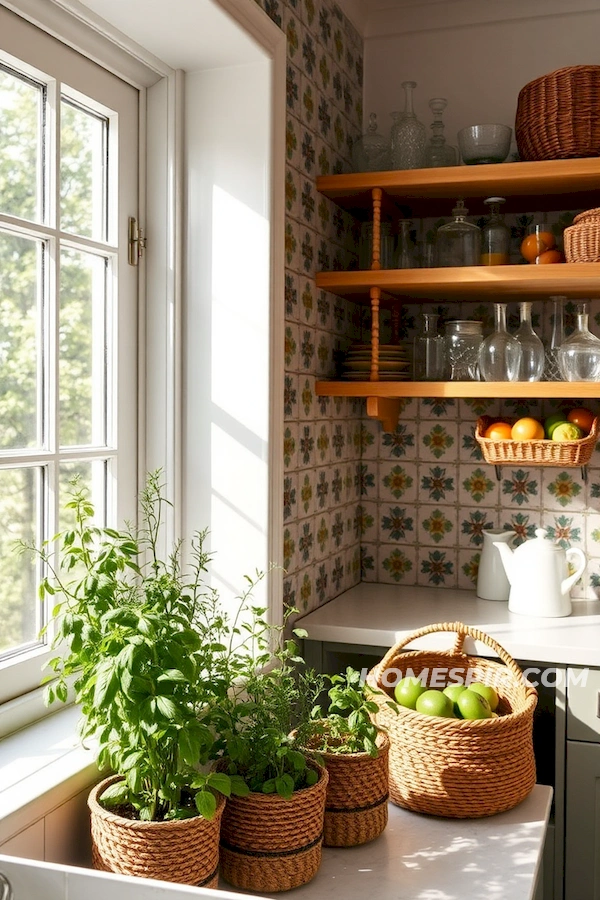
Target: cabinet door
[(582, 830), (583, 704)]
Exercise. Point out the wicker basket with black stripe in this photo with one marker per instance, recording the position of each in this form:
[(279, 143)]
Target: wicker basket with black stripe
[(270, 843)]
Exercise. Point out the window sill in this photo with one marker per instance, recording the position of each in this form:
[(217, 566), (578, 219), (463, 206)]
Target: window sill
[(41, 767)]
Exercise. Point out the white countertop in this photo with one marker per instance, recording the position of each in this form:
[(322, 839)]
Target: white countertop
[(416, 858), (424, 857), (379, 615)]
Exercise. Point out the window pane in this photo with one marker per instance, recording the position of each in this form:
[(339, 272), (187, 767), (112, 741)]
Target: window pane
[(83, 172), (20, 147), (82, 349), (20, 341), (20, 609)]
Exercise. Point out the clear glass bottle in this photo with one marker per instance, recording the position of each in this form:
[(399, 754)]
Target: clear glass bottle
[(405, 248), (459, 242), (551, 367), (387, 250), (428, 351), (371, 152), (438, 152), (495, 236), (500, 352), (408, 145), (579, 354), (461, 348), (532, 349)]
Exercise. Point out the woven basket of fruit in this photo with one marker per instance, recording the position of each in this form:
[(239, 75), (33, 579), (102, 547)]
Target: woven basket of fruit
[(529, 445), (462, 750)]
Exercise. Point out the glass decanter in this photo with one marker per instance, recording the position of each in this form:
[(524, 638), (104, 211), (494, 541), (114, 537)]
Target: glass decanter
[(371, 152), (500, 353), (428, 351), (579, 354), (405, 248), (532, 349), (551, 367), (438, 152), (459, 242), (495, 236), (408, 144)]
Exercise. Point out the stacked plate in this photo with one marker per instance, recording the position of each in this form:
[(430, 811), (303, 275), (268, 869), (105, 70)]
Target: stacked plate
[(394, 364)]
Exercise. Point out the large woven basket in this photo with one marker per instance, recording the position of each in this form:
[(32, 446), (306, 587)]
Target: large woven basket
[(356, 809), (582, 241), (557, 115), (450, 767), (272, 844), (185, 851), (540, 453)]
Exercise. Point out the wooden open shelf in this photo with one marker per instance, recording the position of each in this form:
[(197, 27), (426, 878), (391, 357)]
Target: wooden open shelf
[(504, 389), (527, 187), (469, 283)]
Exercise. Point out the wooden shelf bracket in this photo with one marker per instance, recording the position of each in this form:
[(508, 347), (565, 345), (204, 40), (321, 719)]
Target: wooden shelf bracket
[(386, 409)]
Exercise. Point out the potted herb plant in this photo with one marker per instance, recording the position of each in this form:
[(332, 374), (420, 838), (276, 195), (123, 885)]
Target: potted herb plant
[(131, 630), (355, 752), (271, 839)]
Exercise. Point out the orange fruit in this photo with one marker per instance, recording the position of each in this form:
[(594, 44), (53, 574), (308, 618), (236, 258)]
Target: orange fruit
[(548, 256), (534, 244), (498, 431), (582, 417), (527, 429)]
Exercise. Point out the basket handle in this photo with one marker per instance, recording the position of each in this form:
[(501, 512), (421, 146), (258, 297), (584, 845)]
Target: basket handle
[(462, 631)]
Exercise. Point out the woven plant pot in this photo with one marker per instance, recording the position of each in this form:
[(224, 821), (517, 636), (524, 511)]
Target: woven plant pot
[(272, 844), (356, 806), (451, 767), (185, 851)]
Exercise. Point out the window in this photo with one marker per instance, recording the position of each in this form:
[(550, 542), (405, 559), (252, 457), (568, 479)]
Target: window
[(68, 313)]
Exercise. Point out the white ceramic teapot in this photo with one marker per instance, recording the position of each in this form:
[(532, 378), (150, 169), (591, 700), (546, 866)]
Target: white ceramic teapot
[(539, 577)]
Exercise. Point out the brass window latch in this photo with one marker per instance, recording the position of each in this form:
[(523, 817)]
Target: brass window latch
[(136, 241)]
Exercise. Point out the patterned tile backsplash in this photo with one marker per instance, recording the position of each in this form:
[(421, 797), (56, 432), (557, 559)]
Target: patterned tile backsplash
[(407, 507)]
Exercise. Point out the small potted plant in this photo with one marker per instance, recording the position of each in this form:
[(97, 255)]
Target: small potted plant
[(131, 629), (355, 752), (270, 839)]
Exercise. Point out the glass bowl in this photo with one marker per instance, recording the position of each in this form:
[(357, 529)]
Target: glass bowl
[(484, 143)]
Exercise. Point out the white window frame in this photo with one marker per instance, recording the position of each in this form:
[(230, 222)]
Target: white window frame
[(160, 313)]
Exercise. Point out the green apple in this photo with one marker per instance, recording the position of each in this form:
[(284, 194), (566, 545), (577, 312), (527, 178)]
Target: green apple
[(408, 690), (487, 691), (567, 431), (473, 706), (550, 423), (454, 691), (435, 703)]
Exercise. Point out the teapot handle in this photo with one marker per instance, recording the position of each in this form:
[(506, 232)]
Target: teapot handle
[(570, 581)]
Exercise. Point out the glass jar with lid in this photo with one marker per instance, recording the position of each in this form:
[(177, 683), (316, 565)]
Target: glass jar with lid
[(459, 242), (461, 344), (495, 236), (371, 152)]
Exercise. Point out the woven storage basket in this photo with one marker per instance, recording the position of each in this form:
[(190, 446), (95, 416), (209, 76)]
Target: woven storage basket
[(541, 453), (356, 806), (557, 115), (457, 768), (185, 851), (272, 844), (582, 241), (589, 215)]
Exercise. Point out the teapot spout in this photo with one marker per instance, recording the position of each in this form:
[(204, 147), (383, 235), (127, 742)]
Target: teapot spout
[(506, 555)]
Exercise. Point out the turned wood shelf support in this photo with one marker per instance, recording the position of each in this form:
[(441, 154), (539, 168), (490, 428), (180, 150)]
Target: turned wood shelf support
[(386, 409)]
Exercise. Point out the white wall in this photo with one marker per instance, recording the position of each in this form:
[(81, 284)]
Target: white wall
[(226, 324), (479, 66)]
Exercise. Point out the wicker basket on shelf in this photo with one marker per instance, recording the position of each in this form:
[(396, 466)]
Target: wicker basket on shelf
[(582, 238), (557, 115), (451, 767), (540, 453)]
